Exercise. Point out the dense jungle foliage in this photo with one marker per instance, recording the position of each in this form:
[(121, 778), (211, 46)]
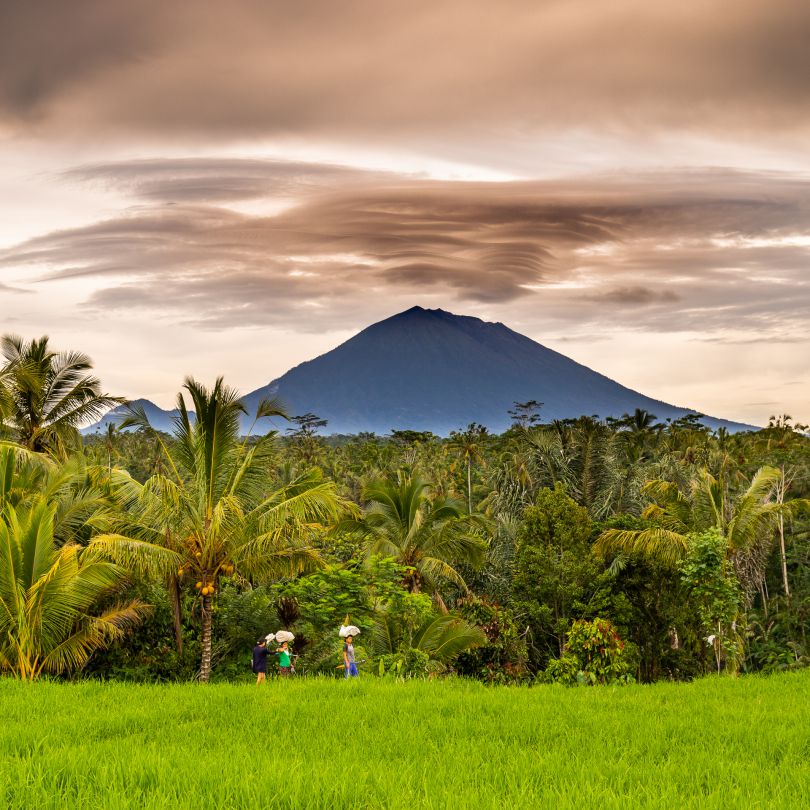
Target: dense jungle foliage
[(583, 551)]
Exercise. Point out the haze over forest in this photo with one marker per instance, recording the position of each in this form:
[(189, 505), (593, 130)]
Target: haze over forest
[(234, 188)]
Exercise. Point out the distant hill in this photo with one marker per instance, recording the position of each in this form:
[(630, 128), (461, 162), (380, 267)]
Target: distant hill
[(158, 418), (427, 369)]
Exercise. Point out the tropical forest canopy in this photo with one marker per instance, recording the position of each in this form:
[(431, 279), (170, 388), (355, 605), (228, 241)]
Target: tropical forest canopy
[(578, 551)]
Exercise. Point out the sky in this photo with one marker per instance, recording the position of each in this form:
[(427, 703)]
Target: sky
[(233, 188)]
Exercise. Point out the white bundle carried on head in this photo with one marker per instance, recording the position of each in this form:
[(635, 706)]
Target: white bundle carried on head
[(349, 630), (284, 635)]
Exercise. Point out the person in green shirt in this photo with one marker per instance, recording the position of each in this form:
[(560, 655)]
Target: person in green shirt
[(284, 660)]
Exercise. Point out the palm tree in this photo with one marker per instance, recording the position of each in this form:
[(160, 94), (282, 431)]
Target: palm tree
[(48, 395), (512, 482), (214, 508), (428, 536), (468, 445), (640, 421), (6, 402), (747, 521), (441, 638), (77, 491), (49, 595), (582, 454), (110, 437), (588, 465)]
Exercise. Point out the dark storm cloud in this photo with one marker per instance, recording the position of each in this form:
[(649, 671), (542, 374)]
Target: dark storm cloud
[(699, 251), (401, 70)]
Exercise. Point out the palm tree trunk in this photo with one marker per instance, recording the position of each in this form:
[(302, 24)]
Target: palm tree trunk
[(780, 497), (469, 488), (177, 615), (783, 555), (207, 628), (411, 581), (716, 645)]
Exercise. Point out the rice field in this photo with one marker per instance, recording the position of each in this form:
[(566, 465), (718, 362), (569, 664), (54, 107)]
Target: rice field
[(314, 743)]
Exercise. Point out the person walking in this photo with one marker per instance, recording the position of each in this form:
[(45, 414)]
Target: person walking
[(260, 660), (349, 664), (284, 661)]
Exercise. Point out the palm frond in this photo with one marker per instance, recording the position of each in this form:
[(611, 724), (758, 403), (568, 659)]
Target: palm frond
[(446, 637), (138, 556), (655, 542)]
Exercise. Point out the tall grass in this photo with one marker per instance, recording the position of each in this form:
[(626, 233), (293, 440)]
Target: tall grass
[(374, 743)]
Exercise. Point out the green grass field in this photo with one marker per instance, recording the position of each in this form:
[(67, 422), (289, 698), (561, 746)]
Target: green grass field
[(374, 743)]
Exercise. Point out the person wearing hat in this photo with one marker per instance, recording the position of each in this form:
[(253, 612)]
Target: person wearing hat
[(349, 664), (260, 660)]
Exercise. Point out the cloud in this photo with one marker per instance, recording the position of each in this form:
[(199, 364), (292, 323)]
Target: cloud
[(5, 288), (710, 266), (48, 50), (703, 251), (636, 295), (406, 73), (216, 180)]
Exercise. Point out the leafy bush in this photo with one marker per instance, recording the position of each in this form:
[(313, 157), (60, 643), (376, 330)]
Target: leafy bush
[(407, 663), (715, 592), (777, 640), (151, 655), (594, 654), (563, 670), (503, 658)]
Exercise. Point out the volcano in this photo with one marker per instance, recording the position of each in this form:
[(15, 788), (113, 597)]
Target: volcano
[(427, 369)]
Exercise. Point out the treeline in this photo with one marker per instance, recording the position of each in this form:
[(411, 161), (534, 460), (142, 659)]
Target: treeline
[(584, 550)]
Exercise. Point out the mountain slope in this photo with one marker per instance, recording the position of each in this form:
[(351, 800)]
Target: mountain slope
[(432, 370), (158, 418)]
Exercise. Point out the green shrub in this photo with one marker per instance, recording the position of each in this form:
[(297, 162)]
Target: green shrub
[(714, 590), (504, 657), (407, 663), (594, 654)]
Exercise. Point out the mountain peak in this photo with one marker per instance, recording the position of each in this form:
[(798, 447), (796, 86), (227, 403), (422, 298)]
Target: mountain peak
[(417, 312), (429, 369), (421, 315)]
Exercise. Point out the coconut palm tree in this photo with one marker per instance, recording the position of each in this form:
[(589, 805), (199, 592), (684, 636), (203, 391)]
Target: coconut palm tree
[(110, 442), (6, 402), (468, 445), (640, 421), (48, 395), (747, 521), (77, 491), (214, 508), (513, 483), (581, 453), (428, 536), (49, 596), (588, 466)]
